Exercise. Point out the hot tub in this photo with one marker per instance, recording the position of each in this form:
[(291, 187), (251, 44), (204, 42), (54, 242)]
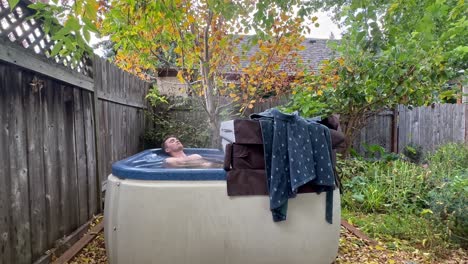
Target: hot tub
[(172, 216)]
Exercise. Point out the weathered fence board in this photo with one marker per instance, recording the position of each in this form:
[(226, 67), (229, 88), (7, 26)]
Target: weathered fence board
[(70, 189), (5, 212), (80, 145), (431, 126), (378, 131), (51, 159), (49, 182), (60, 132), (35, 155), (17, 55), (20, 224), (92, 182), (62, 159), (120, 110)]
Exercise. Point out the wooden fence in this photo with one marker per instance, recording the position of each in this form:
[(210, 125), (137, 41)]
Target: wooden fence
[(428, 127), (431, 127), (53, 125), (120, 114)]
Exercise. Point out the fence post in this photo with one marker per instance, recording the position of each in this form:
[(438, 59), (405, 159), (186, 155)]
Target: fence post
[(466, 123), (395, 130), (96, 134)]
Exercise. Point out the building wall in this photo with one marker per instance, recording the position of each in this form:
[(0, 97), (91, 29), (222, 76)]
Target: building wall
[(171, 86)]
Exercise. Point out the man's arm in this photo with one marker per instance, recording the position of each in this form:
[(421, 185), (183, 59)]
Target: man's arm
[(172, 162), (194, 160)]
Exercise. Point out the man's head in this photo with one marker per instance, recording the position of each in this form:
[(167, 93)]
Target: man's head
[(171, 145)]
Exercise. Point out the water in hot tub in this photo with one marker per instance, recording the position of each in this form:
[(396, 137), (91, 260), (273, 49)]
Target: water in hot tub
[(157, 160)]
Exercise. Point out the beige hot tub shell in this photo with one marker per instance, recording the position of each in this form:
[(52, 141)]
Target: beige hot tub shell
[(195, 222)]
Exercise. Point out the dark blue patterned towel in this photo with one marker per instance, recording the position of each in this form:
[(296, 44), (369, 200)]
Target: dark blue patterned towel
[(297, 151)]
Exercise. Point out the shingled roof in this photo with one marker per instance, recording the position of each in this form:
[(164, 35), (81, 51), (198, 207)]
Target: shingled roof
[(316, 50)]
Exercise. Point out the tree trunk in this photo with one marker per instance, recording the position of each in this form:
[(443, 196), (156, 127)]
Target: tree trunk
[(350, 127), (215, 136)]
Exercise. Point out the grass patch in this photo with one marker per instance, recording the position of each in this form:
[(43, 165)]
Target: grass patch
[(410, 205)]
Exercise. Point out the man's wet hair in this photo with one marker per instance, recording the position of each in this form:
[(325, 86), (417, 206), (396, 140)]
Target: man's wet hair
[(163, 144)]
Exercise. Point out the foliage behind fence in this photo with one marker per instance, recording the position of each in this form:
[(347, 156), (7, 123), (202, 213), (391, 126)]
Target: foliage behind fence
[(428, 127)]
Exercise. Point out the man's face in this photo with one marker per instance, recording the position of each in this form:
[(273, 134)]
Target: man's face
[(173, 145)]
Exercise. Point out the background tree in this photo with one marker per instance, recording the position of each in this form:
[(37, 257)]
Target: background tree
[(392, 52), (203, 39), (200, 39)]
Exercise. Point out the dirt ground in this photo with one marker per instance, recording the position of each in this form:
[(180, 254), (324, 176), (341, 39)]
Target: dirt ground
[(352, 250)]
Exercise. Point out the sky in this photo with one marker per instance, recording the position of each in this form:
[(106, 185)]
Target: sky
[(325, 28)]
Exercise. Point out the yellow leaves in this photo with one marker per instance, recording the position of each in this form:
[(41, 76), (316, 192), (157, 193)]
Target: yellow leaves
[(319, 92), (180, 77), (314, 18), (378, 247), (264, 48), (233, 95), (251, 106), (284, 17), (392, 8), (251, 89), (341, 61), (178, 50), (190, 19), (426, 211)]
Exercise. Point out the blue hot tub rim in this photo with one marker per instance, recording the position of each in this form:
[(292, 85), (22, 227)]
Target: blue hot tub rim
[(123, 169)]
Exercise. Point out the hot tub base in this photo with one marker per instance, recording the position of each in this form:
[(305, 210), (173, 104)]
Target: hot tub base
[(195, 222)]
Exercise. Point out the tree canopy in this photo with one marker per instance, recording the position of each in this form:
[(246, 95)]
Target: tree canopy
[(200, 39), (392, 52)]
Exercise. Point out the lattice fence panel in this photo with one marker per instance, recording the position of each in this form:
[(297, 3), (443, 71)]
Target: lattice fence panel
[(15, 25)]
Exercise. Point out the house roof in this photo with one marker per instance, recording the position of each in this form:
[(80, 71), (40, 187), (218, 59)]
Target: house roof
[(316, 50)]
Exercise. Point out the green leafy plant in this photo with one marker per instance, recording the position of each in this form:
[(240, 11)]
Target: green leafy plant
[(413, 153), (190, 135), (397, 52), (449, 204), (154, 97), (407, 204)]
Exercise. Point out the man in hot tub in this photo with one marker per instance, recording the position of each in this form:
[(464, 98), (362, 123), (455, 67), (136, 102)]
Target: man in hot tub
[(172, 146)]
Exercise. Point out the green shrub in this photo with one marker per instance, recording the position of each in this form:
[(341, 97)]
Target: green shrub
[(425, 204), (413, 153), (164, 124), (382, 186), (395, 228), (449, 203), (449, 195)]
